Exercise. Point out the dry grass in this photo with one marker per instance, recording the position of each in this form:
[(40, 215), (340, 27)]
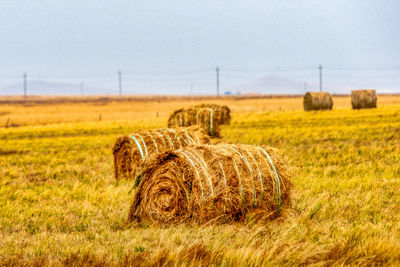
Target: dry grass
[(60, 203)]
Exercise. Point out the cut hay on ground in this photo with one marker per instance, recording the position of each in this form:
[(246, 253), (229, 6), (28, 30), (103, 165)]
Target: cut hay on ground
[(207, 118), (212, 184), (317, 101), (130, 151), (225, 111), (363, 99)]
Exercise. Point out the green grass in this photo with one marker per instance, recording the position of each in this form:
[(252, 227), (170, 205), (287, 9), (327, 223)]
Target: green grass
[(60, 204)]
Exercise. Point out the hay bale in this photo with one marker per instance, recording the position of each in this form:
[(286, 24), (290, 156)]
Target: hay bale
[(212, 184), (317, 101), (182, 118), (363, 99), (130, 151), (225, 117), (206, 118)]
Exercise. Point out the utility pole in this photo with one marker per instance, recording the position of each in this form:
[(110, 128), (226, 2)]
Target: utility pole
[(81, 89), (119, 82), (320, 77), (25, 85), (217, 69)]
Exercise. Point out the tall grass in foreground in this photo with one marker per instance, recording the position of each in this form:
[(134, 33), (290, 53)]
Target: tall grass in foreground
[(60, 204)]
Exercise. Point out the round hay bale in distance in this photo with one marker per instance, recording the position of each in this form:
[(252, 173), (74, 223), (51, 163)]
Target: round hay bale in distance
[(206, 118), (317, 101), (361, 99), (130, 151), (225, 117), (212, 184)]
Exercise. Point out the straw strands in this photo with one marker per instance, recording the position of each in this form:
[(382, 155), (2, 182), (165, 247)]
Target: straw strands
[(363, 99), (207, 118), (212, 184), (317, 101), (130, 151), (225, 111)]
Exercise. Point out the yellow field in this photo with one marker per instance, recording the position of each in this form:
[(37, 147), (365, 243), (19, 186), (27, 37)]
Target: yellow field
[(71, 109), (60, 204)]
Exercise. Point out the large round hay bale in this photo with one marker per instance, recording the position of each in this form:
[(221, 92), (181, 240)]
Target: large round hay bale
[(317, 101), (206, 118), (363, 99), (212, 183), (225, 117), (130, 151)]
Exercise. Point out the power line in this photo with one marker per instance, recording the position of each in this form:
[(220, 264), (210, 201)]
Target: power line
[(363, 77), (204, 77), (204, 71), (78, 77), (360, 67), (278, 69), (181, 73), (227, 71)]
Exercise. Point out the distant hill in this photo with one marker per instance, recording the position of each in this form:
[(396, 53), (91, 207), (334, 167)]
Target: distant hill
[(271, 84), (36, 87)]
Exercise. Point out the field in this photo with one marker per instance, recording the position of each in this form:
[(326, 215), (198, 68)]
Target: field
[(60, 204)]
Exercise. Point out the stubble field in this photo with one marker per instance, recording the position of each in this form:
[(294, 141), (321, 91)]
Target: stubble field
[(60, 203)]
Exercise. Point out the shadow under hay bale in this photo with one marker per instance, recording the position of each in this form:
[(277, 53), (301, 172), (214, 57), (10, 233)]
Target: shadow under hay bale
[(206, 118), (132, 150), (317, 101), (212, 184), (225, 117), (363, 99)]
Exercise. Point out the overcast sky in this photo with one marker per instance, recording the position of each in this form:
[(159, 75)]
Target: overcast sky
[(173, 46)]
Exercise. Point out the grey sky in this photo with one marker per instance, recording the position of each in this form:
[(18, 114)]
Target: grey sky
[(164, 46)]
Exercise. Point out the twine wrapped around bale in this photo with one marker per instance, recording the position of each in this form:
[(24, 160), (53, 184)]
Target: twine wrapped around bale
[(212, 184), (317, 101), (132, 150), (225, 111), (207, 118), (363, 99)]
